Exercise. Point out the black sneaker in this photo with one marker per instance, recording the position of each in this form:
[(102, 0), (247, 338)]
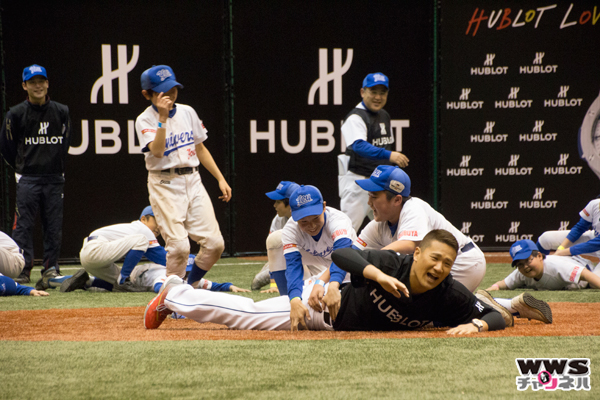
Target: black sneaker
[(77, 281), (44, 282), (129, 286), (23, 278)]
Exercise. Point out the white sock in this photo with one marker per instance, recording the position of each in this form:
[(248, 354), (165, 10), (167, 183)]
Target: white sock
[(506, 304)]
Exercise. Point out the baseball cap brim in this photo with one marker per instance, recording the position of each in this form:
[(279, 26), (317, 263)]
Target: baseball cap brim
[(369, 185), (521, 256), (275, 196), (315, 209), (166, 86)]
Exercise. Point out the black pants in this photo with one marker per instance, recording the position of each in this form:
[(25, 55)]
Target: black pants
[(46, 195)]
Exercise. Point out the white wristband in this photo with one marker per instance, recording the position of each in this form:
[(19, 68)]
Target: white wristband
[(161, 125), (320, 282)]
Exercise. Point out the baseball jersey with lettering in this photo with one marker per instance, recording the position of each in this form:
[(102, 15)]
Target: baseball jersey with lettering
[(417, 218), (559, 272), (119, 231), (366, 306), (184, 131), (337, 226)]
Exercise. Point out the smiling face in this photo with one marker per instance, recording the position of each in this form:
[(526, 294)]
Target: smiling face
[(37, 89), (313, 223), (384, 208), (532, 267), (374, 97), (431, 266)]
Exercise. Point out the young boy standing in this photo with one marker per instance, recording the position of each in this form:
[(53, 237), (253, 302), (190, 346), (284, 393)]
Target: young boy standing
[(173, 136)]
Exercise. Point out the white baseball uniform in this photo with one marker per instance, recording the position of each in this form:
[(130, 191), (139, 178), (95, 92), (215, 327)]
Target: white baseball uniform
[(317, 253), (106, 245), (179, 200), (11, 258), (559, 273), (237, 312), (353, 200), (150, 274), (550, 240), (276, 259), (417, 218)]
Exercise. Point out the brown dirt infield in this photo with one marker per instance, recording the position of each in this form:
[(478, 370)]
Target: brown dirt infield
[(125, 324)]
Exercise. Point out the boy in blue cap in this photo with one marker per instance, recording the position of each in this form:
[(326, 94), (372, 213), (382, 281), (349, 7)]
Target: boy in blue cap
[(401, 221), (106, 245), (535, 270), (281, 197), (309, 238), (173, 145)]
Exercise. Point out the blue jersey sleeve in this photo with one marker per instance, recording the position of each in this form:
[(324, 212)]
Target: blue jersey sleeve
[(367, 150), (294, 273), (338, 274), (23, 290), (157, 255), (590, 246), (220, 287), (579, 229)]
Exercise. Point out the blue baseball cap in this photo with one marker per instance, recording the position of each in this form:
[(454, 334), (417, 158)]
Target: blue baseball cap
[(283, 191), (521, 250), (376, 79), (306, 201), (387, 177), (34, 70), (159, 78), (147, 211)]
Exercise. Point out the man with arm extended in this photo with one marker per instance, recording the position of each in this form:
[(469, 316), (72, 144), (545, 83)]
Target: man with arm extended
[(389, 291)]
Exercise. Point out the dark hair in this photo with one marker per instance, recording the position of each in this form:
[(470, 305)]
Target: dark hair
[(439, 235), (150, 92), (390, 195)]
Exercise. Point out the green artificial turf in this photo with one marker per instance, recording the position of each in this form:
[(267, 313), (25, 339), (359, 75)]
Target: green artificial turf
[(465, 368)]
